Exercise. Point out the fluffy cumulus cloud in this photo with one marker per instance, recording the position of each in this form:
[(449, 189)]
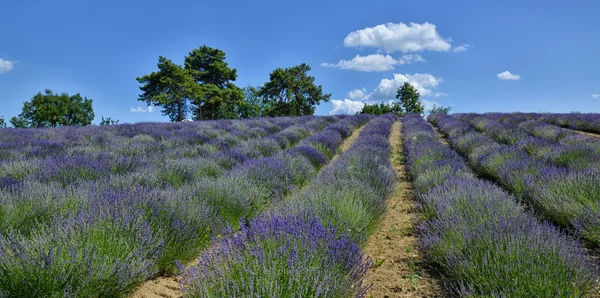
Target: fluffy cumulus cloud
[(140, 109), (386, 91), (423, 82), (6, 65), (596, 95), (461, 48), (375, 62), (346, 106), (399, 37), (357, 93), (507, 75), (429, 104)]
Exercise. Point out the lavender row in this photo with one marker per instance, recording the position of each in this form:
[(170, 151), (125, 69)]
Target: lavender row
[(544, 141), (307, 247), (588, 122), (485, 242), (142, 155), (98, 239), (569, 198), (40, 143)]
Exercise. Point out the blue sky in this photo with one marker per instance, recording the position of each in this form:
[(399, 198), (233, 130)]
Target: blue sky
[(475, 56)]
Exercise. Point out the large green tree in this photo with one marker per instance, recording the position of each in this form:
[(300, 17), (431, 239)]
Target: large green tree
[(409, 98), (50, 109), (218, 95), (291, 92), (170, 88)]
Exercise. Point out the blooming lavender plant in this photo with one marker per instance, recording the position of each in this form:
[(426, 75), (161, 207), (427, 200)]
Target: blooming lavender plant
[(486, 243), (279, 256)]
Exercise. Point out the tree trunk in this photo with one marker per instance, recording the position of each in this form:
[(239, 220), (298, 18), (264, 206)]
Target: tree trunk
[(180, 111)]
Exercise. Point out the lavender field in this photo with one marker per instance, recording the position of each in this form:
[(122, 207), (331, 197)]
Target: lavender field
[(283, 207)]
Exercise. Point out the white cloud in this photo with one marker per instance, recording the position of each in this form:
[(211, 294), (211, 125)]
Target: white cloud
[(375, 62), (461, 48), (423, 82), (596, 95), (140, 109), (345, 106), (399, 37), (428, 104), (506, 75), (357, 93), (410, 58), (6, 66)]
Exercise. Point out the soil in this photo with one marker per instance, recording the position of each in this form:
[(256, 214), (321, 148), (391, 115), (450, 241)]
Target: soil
[(398, 269), (589, 134), (162, 287), (168, 286)]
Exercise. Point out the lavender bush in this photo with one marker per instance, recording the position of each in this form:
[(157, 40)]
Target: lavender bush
[(566, 196), (104, 209), (301, 248), (485, 242), (279, 256)]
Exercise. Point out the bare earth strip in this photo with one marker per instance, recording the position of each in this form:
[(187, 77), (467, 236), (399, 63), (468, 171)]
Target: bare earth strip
[(588, 134), (168, 287), (398, 270)]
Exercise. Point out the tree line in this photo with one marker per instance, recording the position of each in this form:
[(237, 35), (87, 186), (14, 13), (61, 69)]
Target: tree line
[(409, 101), (203, 88)]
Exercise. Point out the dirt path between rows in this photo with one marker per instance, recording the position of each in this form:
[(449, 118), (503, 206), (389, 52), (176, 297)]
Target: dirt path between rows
[(588, 134), (398, 270), (168, 286)]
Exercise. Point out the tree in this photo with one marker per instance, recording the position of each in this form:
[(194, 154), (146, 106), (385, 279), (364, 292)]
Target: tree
[(51, 110), (252, 106), (291, 92), (218, 96), (19, 122), (108, 121), (2, 122), (409, 97), (443, 110), (170, 88), (382, 108)]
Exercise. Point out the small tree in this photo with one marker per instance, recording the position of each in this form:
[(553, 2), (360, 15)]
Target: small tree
[(218, 96), (108, 121), (291, 92), (443, 110), (19, 122), (51, 110), (2, 122), (409, 97), (170, 88)]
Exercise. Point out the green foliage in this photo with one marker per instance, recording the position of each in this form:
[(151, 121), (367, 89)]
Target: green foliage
[(252, 106), (218, 97), (108, 121), (2, 122), (441, 109), (19, 122), (169, 88), (53, 110), (375, 109), (409, 97), (291, 92)]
